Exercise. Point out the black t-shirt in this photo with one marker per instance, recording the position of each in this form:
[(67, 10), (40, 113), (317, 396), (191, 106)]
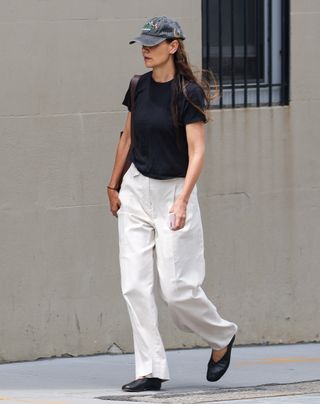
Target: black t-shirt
[(158, 150)]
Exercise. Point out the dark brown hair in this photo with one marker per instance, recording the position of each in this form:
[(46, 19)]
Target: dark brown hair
[(184, 74)]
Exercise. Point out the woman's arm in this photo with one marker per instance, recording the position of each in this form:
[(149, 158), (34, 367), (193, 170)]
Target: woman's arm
[(120, 159), (196, 149)]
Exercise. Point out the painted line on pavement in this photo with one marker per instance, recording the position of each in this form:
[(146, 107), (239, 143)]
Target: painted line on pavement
[(36, 401), (271, 361)]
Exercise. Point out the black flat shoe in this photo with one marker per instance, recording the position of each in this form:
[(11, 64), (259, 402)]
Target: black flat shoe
[(147, 383), (217, 369)]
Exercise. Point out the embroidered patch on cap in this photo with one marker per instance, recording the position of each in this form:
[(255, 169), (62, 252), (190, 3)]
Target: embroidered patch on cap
[(158, 29)]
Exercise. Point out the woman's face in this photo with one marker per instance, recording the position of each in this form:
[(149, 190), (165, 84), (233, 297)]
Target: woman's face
[(160, 54)]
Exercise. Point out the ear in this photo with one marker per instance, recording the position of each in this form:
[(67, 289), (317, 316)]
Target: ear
[(174, 45)]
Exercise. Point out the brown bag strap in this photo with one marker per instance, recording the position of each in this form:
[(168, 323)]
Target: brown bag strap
[(133, 86)]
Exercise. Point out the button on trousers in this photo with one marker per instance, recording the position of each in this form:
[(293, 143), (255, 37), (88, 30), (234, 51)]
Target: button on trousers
[(145, 236)]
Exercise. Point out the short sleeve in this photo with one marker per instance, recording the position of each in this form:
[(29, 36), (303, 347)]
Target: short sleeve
[(127, 99), (191, 114)]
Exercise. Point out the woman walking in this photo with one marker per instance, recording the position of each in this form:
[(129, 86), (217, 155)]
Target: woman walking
[(157, 206)]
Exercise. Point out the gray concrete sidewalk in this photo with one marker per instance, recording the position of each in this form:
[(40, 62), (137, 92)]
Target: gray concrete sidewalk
[(263, 374)]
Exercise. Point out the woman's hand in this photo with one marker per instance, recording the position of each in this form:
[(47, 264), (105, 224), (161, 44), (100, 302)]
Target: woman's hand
[(179, 208), (196, 146), (114, 201)]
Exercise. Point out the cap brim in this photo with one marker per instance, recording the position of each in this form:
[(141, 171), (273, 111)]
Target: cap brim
[(148, 40)]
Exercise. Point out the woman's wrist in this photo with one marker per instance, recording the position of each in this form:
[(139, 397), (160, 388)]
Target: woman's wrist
[(183, 198), (111, 188)]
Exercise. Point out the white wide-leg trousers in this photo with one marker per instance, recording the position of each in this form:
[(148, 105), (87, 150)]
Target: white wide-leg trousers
[(144, 233)]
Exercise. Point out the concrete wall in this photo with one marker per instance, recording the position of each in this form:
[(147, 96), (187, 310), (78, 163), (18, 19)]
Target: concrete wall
[(260, 194), (64, 69)]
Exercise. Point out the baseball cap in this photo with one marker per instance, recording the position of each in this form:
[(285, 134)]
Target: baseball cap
[(157, 30)]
